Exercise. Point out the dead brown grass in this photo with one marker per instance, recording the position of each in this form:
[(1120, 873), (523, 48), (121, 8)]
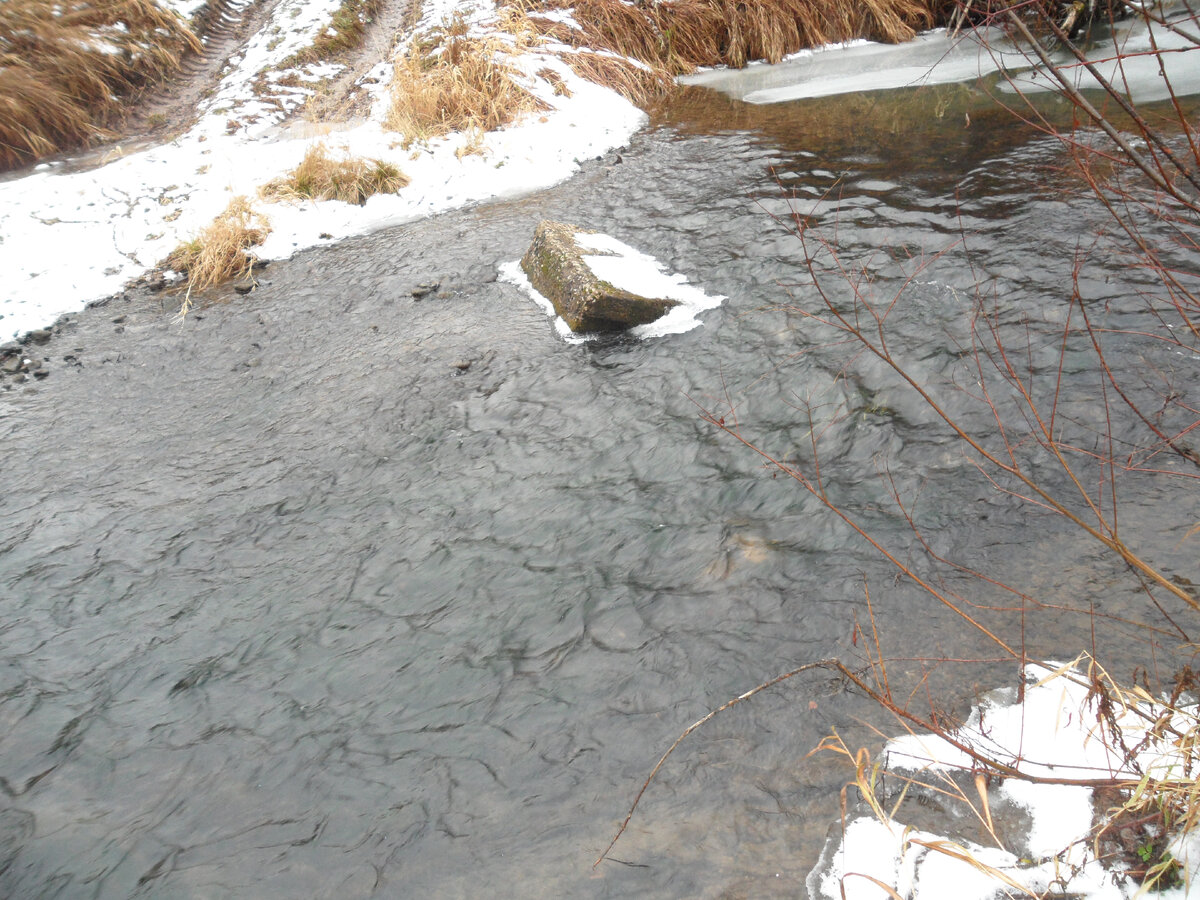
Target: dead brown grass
[(219, 252), (351, 179), (454, 82), (676, 36), (637, 84), (64, 67)]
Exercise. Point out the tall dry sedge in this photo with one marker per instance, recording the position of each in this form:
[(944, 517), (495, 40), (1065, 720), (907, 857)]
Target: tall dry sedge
[(65, 66), (455, 82), (351, 179), (677, 36)]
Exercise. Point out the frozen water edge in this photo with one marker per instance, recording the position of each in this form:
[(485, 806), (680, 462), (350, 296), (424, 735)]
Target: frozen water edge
[(1054, 732), (937, 57)]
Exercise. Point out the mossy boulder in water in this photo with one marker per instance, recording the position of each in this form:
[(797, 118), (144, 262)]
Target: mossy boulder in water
[(555, 265)]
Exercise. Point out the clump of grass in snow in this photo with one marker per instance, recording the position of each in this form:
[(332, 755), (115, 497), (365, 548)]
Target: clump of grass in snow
[(65, 65), (455, 82), (220, 251), (350, 179)]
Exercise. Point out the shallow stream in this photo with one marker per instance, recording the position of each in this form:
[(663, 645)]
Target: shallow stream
[(295, 603)]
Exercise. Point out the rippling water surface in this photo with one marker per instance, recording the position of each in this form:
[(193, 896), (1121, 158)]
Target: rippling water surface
[(293, 606)]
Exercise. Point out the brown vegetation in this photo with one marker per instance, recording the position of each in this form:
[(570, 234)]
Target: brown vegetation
[(454, 82), (65, 66), (220, 252), (677, 36), (636, 83), (350, 179)]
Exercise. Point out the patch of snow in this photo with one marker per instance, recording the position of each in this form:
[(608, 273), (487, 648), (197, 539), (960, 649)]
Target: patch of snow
[(1055, 732), (626, 268), (562, 16), (185, 9), (514, 274)]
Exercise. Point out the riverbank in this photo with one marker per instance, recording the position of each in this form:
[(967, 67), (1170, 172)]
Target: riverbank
[(121, 213), (124, 208)]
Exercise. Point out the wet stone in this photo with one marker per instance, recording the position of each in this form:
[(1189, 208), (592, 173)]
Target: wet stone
[(423, 290)]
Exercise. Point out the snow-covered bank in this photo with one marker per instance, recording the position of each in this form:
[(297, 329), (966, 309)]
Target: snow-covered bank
[(67, 238), (1056, 732)]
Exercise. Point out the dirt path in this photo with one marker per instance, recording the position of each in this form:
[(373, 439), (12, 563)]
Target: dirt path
[(171, 108), (341, 100)]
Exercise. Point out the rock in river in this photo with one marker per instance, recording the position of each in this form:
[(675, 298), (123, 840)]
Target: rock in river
[(556, 266)]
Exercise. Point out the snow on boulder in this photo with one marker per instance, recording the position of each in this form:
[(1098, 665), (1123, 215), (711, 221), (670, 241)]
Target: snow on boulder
[(562, 264)]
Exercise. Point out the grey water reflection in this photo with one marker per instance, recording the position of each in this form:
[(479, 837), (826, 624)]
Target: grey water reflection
[(295, 605)]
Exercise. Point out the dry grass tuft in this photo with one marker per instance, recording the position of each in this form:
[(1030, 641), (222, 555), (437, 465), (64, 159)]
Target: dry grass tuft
[(455, 83), (351, 179), (65, 65), (638, 84), (219, 253)]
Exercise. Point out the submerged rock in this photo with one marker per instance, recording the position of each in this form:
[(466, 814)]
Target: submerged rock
[(555, 266)]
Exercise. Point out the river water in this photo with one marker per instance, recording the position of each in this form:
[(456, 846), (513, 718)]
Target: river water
[(295, 606)]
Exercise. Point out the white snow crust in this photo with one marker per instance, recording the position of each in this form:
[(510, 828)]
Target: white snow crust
[(1054, 732)]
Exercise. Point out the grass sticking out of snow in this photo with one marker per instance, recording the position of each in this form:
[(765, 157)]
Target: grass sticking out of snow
[(345, 32), (351, 179), (1068, 727), (64, 68), (220, 251), (461, 83)]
